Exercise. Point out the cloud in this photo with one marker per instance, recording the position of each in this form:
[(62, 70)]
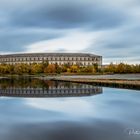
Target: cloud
[(62, 14), (15, 40), (118, 45), (74, 41), (106, 27)]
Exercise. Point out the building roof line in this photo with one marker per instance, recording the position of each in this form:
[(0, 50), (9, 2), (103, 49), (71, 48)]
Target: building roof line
[(51, 54)]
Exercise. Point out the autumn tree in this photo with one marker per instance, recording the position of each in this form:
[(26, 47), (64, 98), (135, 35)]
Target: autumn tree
[(36, 68), (74, 68), (50, 69), (18, 69)]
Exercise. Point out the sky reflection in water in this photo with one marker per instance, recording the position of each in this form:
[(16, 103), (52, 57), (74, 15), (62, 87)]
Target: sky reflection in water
[(104, 116)]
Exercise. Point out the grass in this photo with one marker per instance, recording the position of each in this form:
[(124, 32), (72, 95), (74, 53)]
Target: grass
[(118, 83)]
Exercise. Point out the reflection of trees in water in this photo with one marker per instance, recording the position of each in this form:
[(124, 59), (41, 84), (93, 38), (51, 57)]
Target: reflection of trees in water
[(67, 84), (49, 83), (70, 85), (33, 87), (23, 83), (34, 83)]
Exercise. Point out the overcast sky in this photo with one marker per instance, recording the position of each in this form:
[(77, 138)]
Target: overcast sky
[(110, 28)]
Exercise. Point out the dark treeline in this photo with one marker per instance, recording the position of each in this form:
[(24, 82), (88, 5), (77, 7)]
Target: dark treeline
[(47, 68), (122, 68)]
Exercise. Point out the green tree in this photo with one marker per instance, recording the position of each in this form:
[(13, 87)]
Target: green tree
[(110, 68), (96, 69), (45, 63), (58, 68), (121, 68)]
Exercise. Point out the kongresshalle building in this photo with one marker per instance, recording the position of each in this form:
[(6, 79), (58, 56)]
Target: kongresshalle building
[(83, 59)]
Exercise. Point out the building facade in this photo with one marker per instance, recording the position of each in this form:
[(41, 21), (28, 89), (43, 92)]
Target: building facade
[(83, 59)]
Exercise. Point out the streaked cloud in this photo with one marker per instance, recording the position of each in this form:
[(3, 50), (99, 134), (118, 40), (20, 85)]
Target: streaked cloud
[(106, 27), (74, 41)]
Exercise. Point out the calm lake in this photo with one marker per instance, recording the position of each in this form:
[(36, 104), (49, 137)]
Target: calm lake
[(33, 109)]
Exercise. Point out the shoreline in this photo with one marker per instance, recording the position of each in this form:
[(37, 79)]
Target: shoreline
[(113, 83), (126, 81)]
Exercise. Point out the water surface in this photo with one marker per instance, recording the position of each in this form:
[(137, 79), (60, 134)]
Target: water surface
[(33, 109)]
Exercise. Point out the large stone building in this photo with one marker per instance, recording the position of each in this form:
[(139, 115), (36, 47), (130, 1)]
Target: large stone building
[(83, 59)]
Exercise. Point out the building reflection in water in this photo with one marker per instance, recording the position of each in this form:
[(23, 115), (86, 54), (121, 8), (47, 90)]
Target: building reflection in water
[(32, 87)]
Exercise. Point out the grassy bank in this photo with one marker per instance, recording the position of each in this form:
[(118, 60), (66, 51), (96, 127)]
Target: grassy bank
[(117, 83), (97, 80)]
